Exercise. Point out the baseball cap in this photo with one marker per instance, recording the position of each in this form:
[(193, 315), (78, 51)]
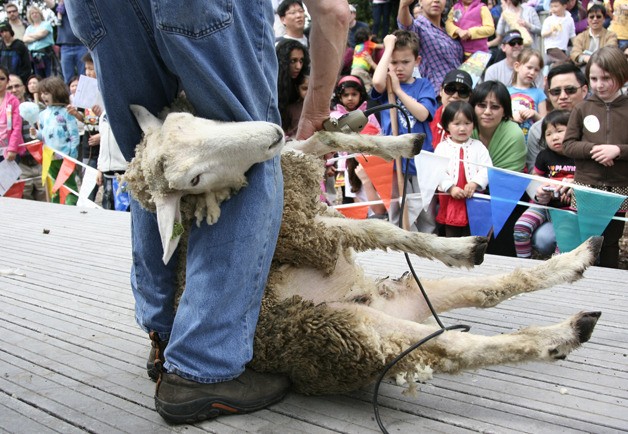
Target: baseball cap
[(511, 36), (458, 76)]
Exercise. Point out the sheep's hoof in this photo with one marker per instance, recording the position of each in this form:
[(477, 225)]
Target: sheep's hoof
[(585, 325), (480, 250)]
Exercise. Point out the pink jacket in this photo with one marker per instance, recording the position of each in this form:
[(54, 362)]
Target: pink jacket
[(10, 116)]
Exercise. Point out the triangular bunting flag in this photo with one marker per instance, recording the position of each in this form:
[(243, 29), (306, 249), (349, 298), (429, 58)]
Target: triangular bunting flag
[(595, 210), (45, 165), (35, 149), (355, 212), (381, 174), (63, 194), (16, 190), (429, 169), (66, 170), (566, 229), (506, 190), (479, 213), (87, 185), (413, 205)]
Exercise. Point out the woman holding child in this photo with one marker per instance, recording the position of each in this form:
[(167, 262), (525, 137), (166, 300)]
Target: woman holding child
[(506, 146)]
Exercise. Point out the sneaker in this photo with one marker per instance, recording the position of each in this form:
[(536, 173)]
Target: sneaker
[(156, 357), (178, 400)]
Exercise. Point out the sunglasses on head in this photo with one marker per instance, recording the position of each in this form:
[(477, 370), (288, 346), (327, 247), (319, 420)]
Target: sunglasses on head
[(515, 42), (463, 91), (569, 90)]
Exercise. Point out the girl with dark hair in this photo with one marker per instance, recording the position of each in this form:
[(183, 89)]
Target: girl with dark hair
[(58, 129), (466, 172), (350, 95), (551, 163), (294, 64), (506, 146)]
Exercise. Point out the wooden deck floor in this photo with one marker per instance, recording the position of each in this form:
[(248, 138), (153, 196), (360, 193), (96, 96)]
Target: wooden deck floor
[(72, 358)]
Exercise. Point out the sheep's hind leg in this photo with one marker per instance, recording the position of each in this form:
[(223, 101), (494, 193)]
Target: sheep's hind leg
[(371, 234), (454, 351), (488, 291), (402, 298)]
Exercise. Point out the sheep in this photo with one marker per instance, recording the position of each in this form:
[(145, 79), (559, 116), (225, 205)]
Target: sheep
[(323, 322)]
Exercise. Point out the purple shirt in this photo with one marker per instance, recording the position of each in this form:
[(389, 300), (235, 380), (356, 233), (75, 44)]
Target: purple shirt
[(439, 52)]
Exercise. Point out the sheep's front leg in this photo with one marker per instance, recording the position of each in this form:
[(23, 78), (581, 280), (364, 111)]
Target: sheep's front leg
[(371, 234), (402, 298), (387, 147)]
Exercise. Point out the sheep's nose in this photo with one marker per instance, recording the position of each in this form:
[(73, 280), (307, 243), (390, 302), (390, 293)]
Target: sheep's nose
[(279, 140)]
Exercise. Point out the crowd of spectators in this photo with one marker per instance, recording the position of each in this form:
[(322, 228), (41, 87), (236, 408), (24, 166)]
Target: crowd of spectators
[(539, 53)]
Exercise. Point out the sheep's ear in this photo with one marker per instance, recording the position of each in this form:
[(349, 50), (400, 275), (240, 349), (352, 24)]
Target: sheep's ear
[(147, 121), (169, 222)]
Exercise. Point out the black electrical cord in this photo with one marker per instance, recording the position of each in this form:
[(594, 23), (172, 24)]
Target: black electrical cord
[(464, 328)]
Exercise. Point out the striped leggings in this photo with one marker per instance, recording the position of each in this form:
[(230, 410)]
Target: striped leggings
[(525, 226)]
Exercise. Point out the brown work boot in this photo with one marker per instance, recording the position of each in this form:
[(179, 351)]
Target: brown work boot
[(178, 400), (156, 357)]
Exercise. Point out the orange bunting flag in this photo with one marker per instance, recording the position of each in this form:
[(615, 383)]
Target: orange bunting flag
[(45, 164), (63, 193), (355, 212), (66, 170), (380, 172), (16, 190), (35, 148)]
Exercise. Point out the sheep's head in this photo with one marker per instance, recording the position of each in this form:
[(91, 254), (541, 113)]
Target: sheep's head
[(186, 155)]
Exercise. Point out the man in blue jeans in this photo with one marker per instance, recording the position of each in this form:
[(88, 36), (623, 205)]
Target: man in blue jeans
[(222, 55)]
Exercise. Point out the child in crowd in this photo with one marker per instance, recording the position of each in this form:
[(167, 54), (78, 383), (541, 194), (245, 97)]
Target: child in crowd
[(528, 102), (472, 23), (57, 128), (417, 99), (457, 86), (553, 164), (349, 95), (466, 172), (557, 30), (597, 139), (363, 61)]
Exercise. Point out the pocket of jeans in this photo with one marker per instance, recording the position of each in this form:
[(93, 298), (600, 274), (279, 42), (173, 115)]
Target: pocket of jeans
[(195, 18), (86, 22)]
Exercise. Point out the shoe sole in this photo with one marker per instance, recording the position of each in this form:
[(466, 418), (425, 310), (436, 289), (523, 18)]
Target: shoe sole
[(206, 408)]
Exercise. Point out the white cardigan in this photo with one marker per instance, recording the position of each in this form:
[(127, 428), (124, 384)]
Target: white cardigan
[(474, 152)]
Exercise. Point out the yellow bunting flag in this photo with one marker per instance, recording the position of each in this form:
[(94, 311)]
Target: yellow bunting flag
[(45, 165)]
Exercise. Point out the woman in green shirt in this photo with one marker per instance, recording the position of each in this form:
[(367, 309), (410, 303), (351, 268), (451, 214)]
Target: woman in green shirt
[(506, 146)]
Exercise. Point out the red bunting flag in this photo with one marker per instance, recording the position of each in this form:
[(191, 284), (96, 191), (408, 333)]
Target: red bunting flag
[(35, 149), (66, 170), (63, 194), (380, 172), (355, 212), (16, 190)]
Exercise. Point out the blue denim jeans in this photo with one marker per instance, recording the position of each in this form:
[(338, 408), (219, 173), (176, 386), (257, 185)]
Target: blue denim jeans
[(71, 63), (381, 17), (223, 58)]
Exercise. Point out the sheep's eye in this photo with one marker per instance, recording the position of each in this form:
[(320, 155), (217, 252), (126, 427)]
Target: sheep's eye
[(195, 180)]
